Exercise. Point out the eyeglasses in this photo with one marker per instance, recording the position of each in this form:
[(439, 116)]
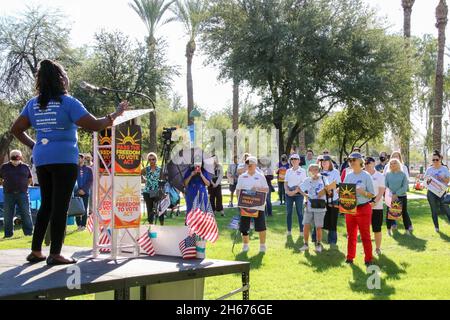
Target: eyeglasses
[(151, 159), (436, 160)]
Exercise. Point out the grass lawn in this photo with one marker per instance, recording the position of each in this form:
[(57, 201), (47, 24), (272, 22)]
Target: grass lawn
[(413, 267)]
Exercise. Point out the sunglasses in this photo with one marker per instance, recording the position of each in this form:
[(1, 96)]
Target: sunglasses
[(151, 159), (436, 160)]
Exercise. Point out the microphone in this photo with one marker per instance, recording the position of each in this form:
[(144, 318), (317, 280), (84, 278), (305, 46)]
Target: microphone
[(89, 87)]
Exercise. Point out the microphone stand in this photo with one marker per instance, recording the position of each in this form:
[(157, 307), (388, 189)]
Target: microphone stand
[(104, 90)]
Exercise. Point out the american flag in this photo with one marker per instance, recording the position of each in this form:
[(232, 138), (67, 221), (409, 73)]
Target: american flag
[(146, 244), (90, 223), (188, 248), (234, 223), (105, 238), (203, 224)]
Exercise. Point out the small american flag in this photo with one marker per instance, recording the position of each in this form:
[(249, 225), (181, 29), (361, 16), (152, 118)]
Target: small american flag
[(234, 223), (203, 223), (90, 223), (105, 239), (188, 248), (146, 244)]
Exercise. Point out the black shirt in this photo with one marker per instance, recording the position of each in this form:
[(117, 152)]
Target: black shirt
[(15, 178)]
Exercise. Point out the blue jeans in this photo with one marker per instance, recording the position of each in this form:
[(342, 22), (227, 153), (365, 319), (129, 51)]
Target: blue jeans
[(268, 211), (298, 200), (81, 221), (22, 200), (437, 206)]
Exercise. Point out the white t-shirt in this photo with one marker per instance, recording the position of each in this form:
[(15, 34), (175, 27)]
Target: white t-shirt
[(378, 182), (247, 182), (295, 178), (333, 176)]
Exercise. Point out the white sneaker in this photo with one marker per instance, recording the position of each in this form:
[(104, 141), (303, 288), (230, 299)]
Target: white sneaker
[(304, 248), (262, 248), (436, 229), (301, 234), (318, 248), (288, 233), (245, 248), (389, 232)]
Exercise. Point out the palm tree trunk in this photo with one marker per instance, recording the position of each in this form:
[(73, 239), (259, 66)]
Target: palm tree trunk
[(190, 50), (441, 17), (406, 135), (302, 141), (152, 93), (235, 112)]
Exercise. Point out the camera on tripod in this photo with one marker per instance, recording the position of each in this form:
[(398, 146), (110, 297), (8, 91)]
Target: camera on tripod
[(167, 134)]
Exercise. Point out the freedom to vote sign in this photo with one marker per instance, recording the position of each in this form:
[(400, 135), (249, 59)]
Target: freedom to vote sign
[(251, 202), (347, 198)]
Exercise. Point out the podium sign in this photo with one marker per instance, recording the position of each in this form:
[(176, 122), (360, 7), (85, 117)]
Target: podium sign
[(117, 186), (127, 213), (128, 149)]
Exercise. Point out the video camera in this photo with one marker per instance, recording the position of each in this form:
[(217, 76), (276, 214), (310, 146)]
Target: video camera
[(167, 133)]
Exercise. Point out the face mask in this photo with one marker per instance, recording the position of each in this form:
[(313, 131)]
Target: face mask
[(382, 159), (15, 162)]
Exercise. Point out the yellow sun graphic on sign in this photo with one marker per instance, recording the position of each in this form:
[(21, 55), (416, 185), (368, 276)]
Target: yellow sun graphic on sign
[(127, 191), (128, 138), (105, 139), (346, 191)]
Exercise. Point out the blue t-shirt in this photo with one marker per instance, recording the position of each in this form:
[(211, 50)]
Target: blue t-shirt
[(312, 188), (442, 172), (56, 131), (362, 180)]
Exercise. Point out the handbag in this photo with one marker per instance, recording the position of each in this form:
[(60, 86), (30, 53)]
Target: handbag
[(76, 207), (318, 203)]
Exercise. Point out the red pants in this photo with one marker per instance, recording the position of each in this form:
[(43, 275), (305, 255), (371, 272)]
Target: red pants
[(362, 221)]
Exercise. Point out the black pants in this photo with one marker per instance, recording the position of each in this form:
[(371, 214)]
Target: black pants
[(151, 209), (377, 220), (56, 182), (281, 192), (215, 197), (331, 218), (405, 216)]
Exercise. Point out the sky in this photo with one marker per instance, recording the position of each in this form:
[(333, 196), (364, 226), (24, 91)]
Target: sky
[(90, 16)]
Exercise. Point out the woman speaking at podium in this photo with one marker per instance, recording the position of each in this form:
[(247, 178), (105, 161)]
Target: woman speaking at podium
[(55, 116)]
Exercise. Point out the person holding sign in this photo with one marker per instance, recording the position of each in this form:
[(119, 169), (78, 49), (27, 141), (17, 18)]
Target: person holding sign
[(293, 180), (252, 182), (377, 203), (397, 183), (332, 214), (363, 218), (442, 174), (315, 189), (282, 168), (56, 116)]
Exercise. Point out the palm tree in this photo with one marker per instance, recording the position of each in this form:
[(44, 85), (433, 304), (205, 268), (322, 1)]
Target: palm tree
[(441, 22), (407, 10), (151, 13), (192, 13)]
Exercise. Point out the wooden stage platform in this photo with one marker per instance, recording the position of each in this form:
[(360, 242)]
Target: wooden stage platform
[(20, 280)]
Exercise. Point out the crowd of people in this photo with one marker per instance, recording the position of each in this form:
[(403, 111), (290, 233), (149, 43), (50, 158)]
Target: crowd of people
[(309, 183)]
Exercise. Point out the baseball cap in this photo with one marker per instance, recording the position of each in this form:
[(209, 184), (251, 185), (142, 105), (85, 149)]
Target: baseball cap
[(252, 160), (295, 156), (326, 158), (370, 159), (355, 155)]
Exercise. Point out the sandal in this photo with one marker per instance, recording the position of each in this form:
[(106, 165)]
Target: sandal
[(34, 259), (56, 262)]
